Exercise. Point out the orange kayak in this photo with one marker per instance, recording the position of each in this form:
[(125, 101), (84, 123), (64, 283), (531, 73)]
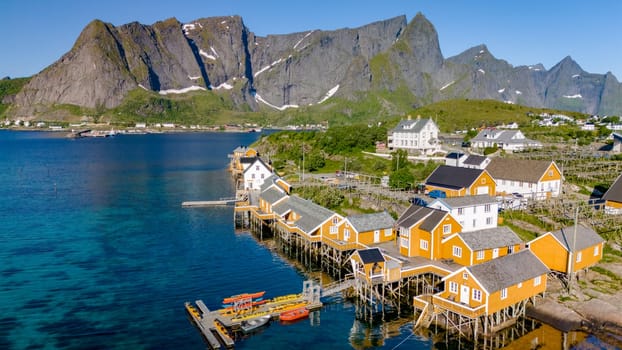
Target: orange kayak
[(233, 298)]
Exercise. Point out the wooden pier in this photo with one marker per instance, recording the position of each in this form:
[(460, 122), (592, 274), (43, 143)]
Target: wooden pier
[(218, 327), (199, 204)]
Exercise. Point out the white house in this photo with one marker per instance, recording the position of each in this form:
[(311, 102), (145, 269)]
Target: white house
[(474, 213), (509, 140), (533, 179), (415, 136), (255, 174)]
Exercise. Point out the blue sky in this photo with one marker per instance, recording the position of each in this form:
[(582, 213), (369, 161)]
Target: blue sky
[(35, 33)]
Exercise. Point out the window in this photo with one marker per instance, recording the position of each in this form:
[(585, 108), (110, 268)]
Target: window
[(253, 176), (457, 251), (423, 244), (465, 276), (404, 232), (596, 251), (480, 255), (474, 210), (487, 208), (504, 293), (404, 242), (550, 172), (477, 295), (447, 228), (460, 211), (489, 221), (520, 284), (483, 180), (474, 222), (333, 230), (388, 232), (579, 256), (257, 167), (537, 281), (262, 175), (510, 249), (346, 234), (335, 220), (453, 287)]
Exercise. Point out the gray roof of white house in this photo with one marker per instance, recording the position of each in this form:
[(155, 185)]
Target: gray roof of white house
[(267, 182), (508, 270), (371, 222), (614, 193), (496, 237), (311, 214), (503, 136), (272, 195), (474, 159), (586, 237), (405, 125), (467, 201)]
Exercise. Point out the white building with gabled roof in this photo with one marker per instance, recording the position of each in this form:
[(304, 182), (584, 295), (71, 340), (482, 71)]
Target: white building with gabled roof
[(415, 136)]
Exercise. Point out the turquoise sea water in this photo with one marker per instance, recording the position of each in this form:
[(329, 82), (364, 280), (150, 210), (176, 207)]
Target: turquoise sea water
[(97, 253)]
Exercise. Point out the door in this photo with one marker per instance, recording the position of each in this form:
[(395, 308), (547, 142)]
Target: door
[(376, 236), (482, 190), (464, 294), (495, 253)]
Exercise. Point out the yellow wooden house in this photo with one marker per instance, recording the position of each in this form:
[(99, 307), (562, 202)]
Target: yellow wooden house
[(305, 218), (613, 197), (500, 287), (476, 247), (367, 228), (459, 181), (238, 155), (533, 179), (373, 267), (420, 231), (570, 249)]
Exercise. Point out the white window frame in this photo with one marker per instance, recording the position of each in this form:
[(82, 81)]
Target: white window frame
[(476, 294), (537, 280), (481, 254), (579, 256), (423, 244), (489, 220), (596, 250), (333, 230), (453, 287), (404, 242), (487, 208), (504, 293), (346, 234), (446, 228), (388, 232), (457, 251)]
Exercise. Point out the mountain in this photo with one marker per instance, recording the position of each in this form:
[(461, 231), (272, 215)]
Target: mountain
[(220, 55)]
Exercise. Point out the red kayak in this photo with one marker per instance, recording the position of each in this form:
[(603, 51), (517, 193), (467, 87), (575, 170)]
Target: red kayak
[(295, 314), (233, 298)]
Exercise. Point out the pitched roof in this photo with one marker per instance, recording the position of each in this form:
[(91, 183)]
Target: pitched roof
[(254, 160), (508, 270), (311, 215), (454, 155), (528, 170), (453, 177), (247, 160), (586, 237), (414, 126), (614, 193), (267, 182), (495, 237), (369, 256), (474, 159), (467, 201), (272, 195), (415, 213), (371, 222), (507, 137)]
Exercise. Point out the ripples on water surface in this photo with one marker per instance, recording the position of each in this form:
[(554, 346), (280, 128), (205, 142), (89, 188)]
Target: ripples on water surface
[(96, 251)]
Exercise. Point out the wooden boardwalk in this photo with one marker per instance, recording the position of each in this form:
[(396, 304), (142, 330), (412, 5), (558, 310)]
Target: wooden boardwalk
[(199, 204)]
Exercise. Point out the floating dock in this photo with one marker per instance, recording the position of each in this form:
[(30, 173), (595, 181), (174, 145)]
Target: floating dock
[(219, 326), (199, 204)]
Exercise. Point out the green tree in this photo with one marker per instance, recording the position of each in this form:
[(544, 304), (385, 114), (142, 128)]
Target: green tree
[(401, 179), (399, 160), (314, 161)]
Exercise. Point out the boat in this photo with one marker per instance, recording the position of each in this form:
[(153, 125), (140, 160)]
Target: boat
[(257, 302), (295, 314), (233, 298), (254, 324)]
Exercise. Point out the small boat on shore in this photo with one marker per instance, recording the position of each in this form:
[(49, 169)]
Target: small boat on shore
[(254, 324), (293, 315), (254, 303), (234, 298)]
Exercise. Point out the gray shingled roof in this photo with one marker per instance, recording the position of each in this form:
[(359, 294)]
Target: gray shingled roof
[(503, 136), (453, 177), (267, 182), (497, 237), (586, 237), (404, 125), (272, 195), (369, 256), (508, 270), (431, 217), (528, 170), (614, 193), (474, 159), (467, 201), (371, 222), (311, 214)]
